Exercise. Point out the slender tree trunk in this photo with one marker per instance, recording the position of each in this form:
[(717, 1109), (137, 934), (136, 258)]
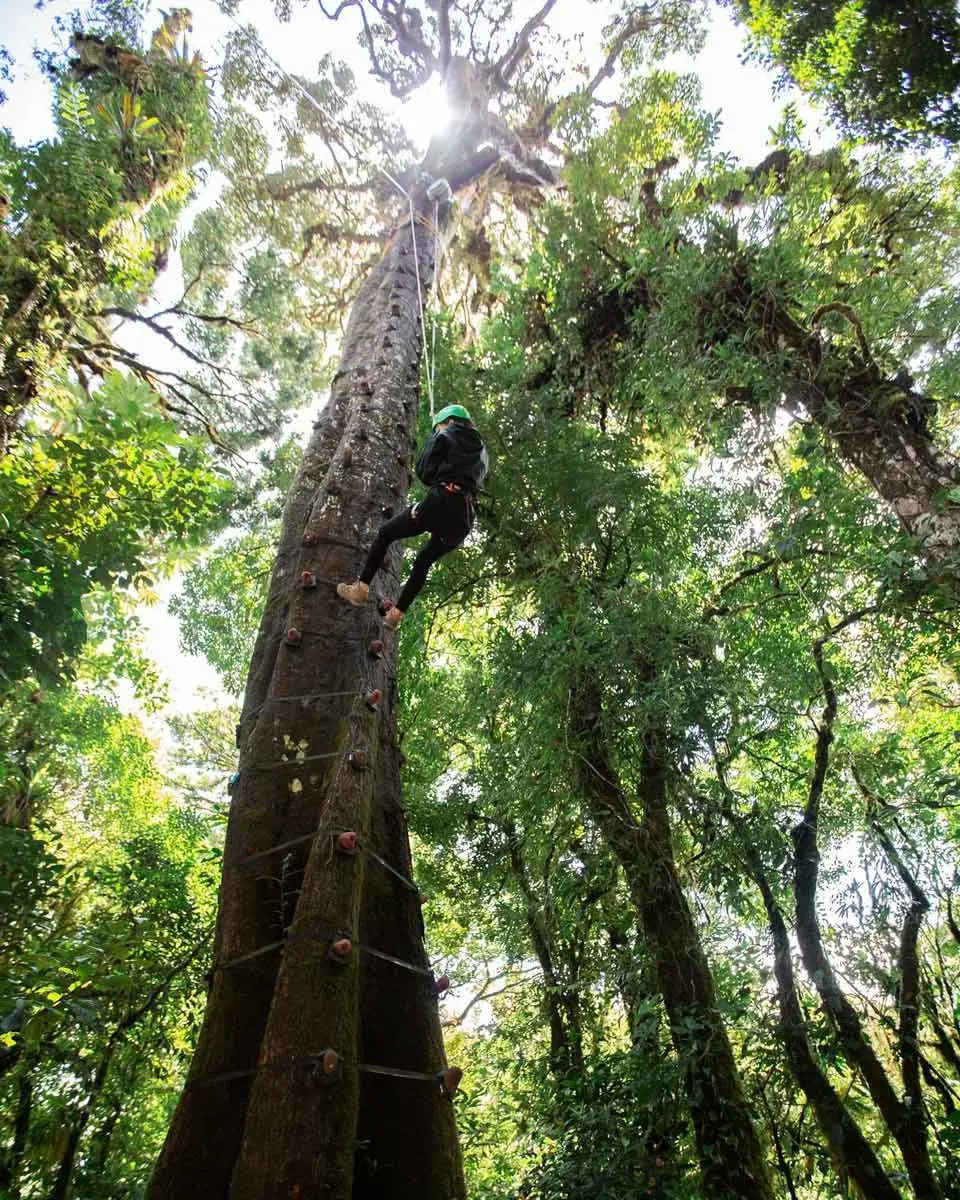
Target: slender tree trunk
[(260, 1116), (566, 1033), (907, 1128), (731, 1156), (12, 1159), (851, 1151)]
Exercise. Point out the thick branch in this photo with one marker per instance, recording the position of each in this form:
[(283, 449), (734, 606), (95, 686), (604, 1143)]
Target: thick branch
[(506, 68), (639, 23)]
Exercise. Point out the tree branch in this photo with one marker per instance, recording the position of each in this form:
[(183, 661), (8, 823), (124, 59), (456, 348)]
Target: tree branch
[(506, 68)]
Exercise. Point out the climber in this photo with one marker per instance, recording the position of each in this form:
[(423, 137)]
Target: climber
[(453, 465)]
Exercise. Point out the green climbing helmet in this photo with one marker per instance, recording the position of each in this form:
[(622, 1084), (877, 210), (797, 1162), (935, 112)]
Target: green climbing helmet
[(452, 410)]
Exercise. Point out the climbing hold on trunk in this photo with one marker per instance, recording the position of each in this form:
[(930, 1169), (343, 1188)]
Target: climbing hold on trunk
[(308, 579), (384, 605), (348, 841), (450, 1080), (372, 699), (357, 759), (293, 636), (341, 949), (329, 1062), (375, 649), (310, 539), (442, 984)]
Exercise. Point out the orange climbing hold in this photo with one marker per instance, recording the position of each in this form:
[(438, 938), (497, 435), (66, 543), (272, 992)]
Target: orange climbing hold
[(375, 649), (372, 699), (341, 949), (450, 1080), (293, 637), (357, 759), (348, 841), (330, 1062)]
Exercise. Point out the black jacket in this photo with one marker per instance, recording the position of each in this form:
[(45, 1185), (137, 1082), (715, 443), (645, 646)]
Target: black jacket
[(454, 455)]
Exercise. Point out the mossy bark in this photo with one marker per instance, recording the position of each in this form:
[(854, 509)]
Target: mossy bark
[(259, 1116), (732, 1159)]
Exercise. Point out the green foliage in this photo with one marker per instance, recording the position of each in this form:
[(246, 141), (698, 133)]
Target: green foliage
[(889, 69), (689, 555), (106, 903), (113, 498), (222, 594)]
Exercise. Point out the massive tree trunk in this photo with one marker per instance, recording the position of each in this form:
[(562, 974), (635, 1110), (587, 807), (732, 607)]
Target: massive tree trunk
[(731, 1156), (266, 1111)]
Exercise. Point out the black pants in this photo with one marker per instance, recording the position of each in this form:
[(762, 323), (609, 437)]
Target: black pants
[(448, 518)]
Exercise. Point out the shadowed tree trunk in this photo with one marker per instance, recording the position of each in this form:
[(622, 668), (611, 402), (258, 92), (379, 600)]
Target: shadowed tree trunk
[(851, 1151), (908, 1127), (259, 1108), (731, 1156), (562, 1000)]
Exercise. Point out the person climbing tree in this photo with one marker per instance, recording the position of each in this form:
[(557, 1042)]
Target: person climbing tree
[(453, 465)]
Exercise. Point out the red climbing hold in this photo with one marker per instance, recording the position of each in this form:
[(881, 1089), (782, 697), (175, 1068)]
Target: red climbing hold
[(348, 841), (310, 539), (293, 637), (357, 759), (329, 1062), (308, 579), (450, 1080), (442, 984), (375, 649), (372, 699), (341, 949), (384, 606)]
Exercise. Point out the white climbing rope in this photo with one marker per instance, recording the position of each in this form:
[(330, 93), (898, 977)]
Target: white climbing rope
[(437, 190)]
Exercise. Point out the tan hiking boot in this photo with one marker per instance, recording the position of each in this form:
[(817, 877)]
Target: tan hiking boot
[(354, 593), (393, 618)]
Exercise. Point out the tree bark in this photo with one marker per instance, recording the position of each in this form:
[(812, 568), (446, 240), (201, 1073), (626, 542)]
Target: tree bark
[(259, 1116), (910, 1134), (563, 1006), (731, 1156), (850, 1149), (878, 425)]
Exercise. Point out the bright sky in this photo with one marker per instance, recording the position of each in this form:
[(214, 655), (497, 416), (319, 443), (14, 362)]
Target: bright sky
[(742, 93)]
